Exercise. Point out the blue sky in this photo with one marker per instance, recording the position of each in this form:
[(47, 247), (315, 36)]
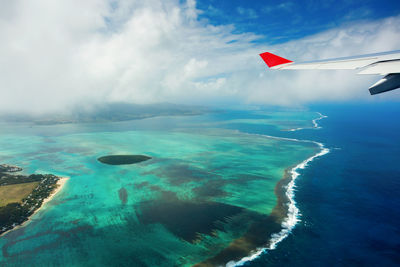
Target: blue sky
[(280, 21)]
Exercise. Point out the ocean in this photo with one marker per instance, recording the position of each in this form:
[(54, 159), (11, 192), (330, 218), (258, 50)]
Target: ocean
[(209, 194), (349, 199)]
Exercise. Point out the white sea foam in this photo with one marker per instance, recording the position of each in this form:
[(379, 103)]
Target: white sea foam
[(317, 119), (295, 129), (314, 121), (293, 212)]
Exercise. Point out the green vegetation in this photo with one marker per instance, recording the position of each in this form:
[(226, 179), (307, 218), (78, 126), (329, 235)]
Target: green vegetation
[(8, 179), (15, 193), (21, 195), (123, 159)]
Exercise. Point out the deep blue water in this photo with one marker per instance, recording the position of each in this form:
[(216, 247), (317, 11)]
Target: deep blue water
[(349, 198)]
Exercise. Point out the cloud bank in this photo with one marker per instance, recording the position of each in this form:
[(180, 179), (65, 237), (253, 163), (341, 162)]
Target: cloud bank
[(55, 54)]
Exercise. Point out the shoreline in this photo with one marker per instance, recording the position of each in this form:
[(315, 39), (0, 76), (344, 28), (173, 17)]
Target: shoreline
[(59, 186)]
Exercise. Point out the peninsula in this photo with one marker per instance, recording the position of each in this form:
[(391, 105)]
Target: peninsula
[(22, 195)]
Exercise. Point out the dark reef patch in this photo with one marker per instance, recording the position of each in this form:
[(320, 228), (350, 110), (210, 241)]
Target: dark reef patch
[(123, 195), (54, 238), (262, 227), (123, 159), (141, 185), (212, 188), (178, 174), (255, 237), (187, 219)]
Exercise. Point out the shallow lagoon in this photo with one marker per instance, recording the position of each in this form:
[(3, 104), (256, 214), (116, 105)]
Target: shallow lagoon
[(206, 186)]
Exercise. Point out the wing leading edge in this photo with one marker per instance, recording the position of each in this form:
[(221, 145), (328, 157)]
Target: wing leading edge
[(387, 63)]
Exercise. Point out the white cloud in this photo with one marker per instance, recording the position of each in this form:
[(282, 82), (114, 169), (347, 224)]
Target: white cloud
[(54, 54)]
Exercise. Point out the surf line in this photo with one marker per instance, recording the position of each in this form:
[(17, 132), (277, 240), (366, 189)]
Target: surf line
[(293, 213), (316, 126), (314, 121)]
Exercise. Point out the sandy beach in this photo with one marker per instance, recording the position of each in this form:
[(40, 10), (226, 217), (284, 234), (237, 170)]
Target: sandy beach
[(60, 184)]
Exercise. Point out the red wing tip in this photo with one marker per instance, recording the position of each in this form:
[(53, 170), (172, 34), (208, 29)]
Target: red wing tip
[(273, 60)]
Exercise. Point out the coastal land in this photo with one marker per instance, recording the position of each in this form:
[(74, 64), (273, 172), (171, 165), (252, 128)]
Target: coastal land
[(21, 196), (111, 112)]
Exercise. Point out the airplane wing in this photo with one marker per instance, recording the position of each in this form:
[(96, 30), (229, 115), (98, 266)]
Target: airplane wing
[(387, 63)]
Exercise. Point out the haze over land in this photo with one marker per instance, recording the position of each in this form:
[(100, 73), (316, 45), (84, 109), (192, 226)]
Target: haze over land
[(104, 112), (55, 55)]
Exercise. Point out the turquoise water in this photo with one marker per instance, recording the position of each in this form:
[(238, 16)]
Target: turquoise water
[(206, 185)]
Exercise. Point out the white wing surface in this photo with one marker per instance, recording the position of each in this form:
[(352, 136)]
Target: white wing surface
[(387, 63)]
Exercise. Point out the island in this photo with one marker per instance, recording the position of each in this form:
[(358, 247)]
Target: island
[(9, 168), (123, 159), (22, 195)]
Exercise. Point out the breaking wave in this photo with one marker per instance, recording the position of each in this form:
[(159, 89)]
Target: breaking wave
[(314, 121), (293, 214)]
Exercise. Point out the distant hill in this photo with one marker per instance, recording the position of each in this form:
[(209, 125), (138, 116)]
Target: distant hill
[(107, 113)]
